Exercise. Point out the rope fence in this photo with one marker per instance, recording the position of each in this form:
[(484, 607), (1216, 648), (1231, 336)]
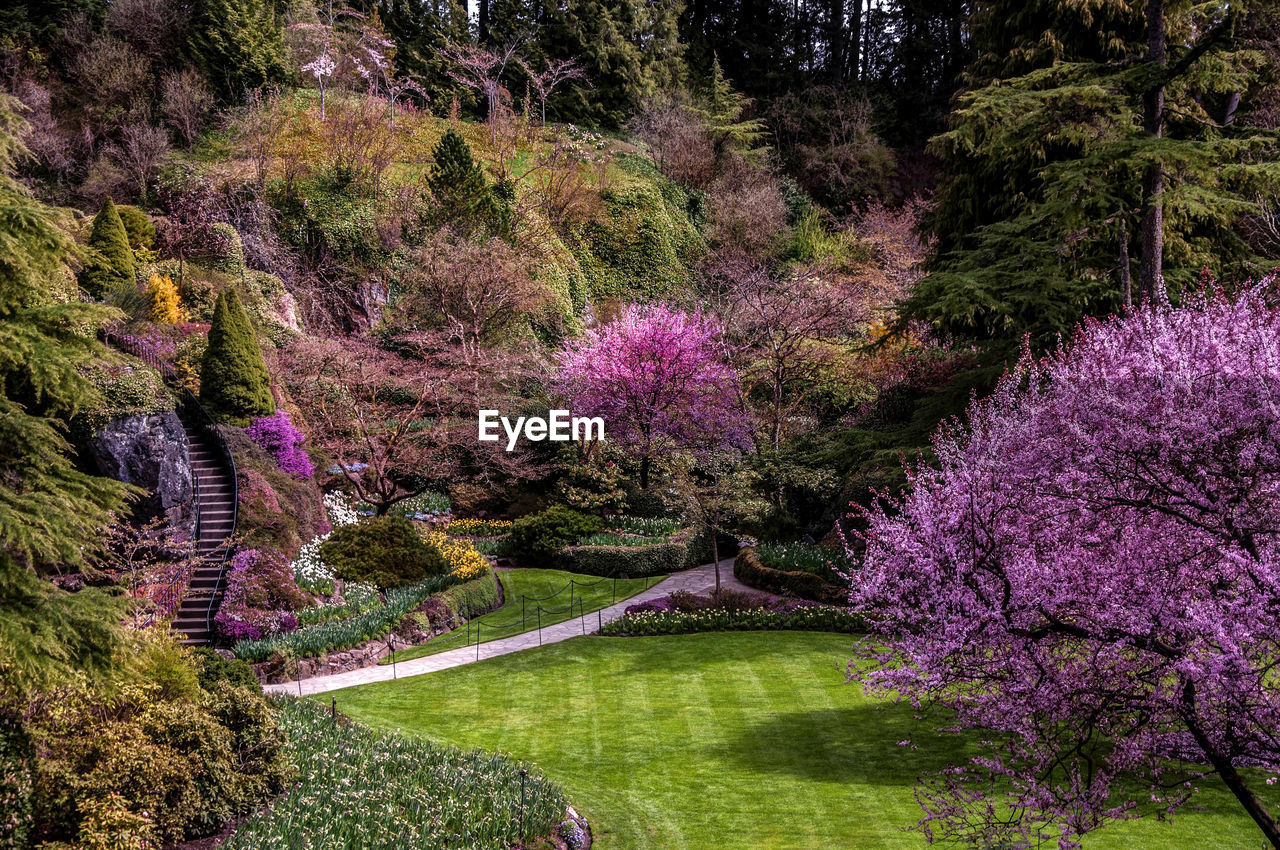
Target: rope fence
[(534, 615)]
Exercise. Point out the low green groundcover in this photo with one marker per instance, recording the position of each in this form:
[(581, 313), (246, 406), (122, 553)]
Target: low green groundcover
[(359, 787)]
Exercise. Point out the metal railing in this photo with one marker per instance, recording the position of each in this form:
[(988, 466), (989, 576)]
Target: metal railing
[(203, 421)]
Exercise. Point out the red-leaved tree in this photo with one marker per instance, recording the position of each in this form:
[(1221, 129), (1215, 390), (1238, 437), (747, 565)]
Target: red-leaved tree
[(661, 381), (1091, 576)]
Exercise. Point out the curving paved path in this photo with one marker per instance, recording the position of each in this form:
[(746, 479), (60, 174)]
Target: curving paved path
[(697, 580)]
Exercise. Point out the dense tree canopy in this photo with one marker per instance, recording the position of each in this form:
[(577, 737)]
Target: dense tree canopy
[(1090, 575)]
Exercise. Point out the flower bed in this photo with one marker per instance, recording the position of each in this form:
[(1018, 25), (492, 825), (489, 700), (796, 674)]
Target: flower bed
[(360, 787), (479, 527), (684, 613), (749, 569), (344, 634)]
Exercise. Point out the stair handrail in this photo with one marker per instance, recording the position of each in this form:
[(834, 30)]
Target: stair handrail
[(205, 422)]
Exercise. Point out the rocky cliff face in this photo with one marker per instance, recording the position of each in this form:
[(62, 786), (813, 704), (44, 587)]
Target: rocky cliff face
[(151, 452)]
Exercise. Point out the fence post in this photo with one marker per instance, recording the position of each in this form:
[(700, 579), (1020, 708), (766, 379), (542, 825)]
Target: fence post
[(333, 709), (582, 615), (539, 625), (478, 625), (391, 646), (615, 588), (599, 620)]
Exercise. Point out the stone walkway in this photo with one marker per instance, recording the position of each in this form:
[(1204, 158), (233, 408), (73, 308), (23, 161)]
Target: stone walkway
[(697, 580)]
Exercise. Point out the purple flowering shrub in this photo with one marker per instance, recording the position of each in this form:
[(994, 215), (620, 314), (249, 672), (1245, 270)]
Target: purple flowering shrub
[(260, 599), (277, 434)]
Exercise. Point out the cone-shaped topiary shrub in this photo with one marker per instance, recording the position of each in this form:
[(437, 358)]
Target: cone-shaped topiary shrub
[(233, 376), (112, 262)]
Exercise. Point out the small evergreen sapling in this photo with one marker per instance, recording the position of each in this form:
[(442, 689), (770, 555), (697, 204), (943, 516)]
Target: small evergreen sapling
[(464, 200), (233, 376)]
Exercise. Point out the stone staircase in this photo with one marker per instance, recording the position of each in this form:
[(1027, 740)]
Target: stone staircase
[(215, 522)]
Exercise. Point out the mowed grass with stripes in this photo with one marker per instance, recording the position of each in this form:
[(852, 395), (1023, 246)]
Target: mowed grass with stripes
[(745, 739)]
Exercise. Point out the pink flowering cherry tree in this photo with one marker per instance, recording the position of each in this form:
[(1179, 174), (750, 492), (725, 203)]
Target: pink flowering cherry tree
[(1091, 577), (660, 379)]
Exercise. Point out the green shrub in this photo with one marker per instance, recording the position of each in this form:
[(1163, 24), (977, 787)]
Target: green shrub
[(112, 263), (138, 227), (384, 551), (216, 673), (629, 561), (229, 258), (472, 597), (748, 569), (536, 539), (156, 762), (16, 764), (814, 619), (233, 376)]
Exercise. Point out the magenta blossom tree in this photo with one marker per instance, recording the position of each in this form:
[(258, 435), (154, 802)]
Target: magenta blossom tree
[(660, 379), (1090, 576)]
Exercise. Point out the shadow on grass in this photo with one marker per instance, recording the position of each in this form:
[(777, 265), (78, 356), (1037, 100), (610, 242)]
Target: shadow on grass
[(858, 744), (697, 653)]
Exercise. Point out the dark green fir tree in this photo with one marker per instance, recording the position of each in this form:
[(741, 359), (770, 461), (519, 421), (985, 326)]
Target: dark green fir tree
[(464, 201)]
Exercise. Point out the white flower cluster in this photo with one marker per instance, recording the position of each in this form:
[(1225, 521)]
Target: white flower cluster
[(309, 571), (339, 510)]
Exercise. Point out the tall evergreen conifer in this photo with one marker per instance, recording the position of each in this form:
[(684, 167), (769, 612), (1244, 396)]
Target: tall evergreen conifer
[(1045, 180), (112, 263), (233, 376), (52, 514)]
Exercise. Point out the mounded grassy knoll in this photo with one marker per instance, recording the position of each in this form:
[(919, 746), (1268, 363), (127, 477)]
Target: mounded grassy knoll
[(746, 739), (536, 584)]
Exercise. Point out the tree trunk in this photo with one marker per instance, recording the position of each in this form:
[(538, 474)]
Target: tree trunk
[(715, 556), (644, 473), (1151, 272), (482, 23), (855, 40), (1225, 769), (1126, 279)]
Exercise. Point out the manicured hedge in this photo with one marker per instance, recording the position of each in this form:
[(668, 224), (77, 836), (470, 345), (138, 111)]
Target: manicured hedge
[(686, 549), (813, 619), (472, 597), (748, 570), (631, 561)]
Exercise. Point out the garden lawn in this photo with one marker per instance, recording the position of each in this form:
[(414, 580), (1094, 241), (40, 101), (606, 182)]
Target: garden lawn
[(747, 739), (551, 587)]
